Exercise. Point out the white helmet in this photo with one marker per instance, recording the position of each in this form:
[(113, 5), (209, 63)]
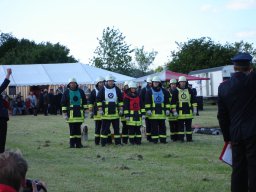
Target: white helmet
[(149, 79), (126, 83), (132, 85), (173, 81), (182, 78), (110, 78), (156, 79), (99, 79), (72, 80)]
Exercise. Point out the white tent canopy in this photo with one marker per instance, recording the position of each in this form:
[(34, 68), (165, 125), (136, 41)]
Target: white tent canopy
[(56, 74)]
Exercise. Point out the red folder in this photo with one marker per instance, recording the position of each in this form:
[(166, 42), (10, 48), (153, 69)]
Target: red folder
[(226, 154)]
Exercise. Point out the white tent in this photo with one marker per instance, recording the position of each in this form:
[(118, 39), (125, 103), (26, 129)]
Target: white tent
[(56, 74)]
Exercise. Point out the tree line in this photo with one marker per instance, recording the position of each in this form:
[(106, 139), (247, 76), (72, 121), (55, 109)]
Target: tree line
[(113, 53)]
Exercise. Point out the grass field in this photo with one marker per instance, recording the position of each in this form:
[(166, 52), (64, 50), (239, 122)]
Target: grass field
[(175, 167)]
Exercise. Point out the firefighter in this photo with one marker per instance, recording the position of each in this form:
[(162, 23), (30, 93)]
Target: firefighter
[(93, 109), (173, 119), (133, 113), (142, 99), (74, 104), (123, 120), (157, 108), (186, 108), (110, 105)]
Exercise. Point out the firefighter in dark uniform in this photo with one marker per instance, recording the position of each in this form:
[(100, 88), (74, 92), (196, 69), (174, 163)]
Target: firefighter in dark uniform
[(110, 105), (173, 118), (237, 120), (74, 104), (93, 109), (134, 113), (4, 116), (157, 107), (186, 107), (123, 120), (142, 99)]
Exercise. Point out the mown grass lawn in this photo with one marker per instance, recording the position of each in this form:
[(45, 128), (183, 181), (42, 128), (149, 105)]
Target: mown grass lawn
[(175, 167)]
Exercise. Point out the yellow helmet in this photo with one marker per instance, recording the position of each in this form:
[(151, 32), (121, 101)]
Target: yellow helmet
[(182, 78)]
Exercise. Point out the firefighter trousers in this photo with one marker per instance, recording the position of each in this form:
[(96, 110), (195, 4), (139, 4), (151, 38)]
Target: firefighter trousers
[(124, 132), (105, 131), (134, 134), (75, 135), (98, 124), (244, 167), (148, 128), (158, 130), (185, 128), (174, 129)]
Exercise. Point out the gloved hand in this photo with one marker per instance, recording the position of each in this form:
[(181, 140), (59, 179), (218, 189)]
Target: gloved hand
[(149, 112), (143, 117), (121, 112), (175, 114), (101, 112), (65, 116), (167, 112), (127, 118), (91, 114), (194, 111)]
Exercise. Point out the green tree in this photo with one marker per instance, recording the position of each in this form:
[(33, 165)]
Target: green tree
[(24, 51), (144, 59), (113, 53), (204, 53)]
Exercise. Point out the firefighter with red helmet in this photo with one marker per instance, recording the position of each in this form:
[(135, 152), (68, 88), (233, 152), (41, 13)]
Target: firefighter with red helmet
[(133, 113), (173, 118), (186, 108), (74, 104), (157, 108), (110, 105), (93, 109)]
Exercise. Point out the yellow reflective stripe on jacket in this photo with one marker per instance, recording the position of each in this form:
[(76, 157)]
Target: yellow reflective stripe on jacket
[(63, 108)]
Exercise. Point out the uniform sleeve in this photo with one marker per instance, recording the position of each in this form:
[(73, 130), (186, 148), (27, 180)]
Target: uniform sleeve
[(64, 102), (119, 97), (174, 99), (148, 100), (167, 99), (84, 100), (142, 97), (4, 85), (223, 116), (126, 107), (193, 98), (92, 99), (100, 97)]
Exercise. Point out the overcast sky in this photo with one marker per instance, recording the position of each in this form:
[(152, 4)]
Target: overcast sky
[(156, 24)]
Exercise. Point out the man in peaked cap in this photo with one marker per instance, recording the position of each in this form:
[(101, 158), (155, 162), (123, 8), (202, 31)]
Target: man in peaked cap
[(237, 120)]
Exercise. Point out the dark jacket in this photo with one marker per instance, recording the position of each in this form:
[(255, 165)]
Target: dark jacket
[(143, 94), (3, 110), (237, 107)]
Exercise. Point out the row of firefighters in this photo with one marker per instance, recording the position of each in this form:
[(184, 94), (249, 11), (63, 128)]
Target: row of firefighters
[(154, 104)]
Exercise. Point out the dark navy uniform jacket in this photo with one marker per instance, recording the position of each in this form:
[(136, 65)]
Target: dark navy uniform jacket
[(3, 110), (237, 107)]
